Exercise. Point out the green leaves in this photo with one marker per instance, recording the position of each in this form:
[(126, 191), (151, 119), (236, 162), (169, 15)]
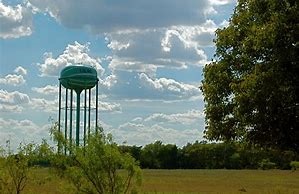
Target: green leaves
[(99, 167), (14, 169), (250, 89)]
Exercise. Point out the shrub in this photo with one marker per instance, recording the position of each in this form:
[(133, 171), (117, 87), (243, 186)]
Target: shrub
[(99, 167), (294, 165), (14, 169), (266, 164)]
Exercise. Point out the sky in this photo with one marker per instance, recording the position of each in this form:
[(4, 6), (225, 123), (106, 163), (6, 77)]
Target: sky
[(149, 56)]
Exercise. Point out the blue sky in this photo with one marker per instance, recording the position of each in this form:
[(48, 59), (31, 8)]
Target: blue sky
[(149, 56)]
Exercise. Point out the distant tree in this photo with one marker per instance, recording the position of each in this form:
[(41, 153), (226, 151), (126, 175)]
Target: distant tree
[(169, 156), (99, 167), (150, 155), (193, 156), (202, 155), (251, 87), (159, 156), (134, 151)]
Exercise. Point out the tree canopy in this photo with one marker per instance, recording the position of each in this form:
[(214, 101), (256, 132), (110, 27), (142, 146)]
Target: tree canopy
[(251, 87)]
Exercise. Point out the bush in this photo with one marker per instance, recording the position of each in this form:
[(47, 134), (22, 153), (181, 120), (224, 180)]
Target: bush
[(99, 167), (294, 165), (266, 164), (14, 169)]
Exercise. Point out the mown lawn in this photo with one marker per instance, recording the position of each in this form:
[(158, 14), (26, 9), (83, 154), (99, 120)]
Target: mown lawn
[(190, 181)]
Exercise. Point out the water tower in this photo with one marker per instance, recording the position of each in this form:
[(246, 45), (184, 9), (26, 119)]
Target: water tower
[(78, 78)]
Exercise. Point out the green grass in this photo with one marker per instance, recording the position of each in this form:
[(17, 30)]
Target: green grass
[(220, 181), (191, 181)]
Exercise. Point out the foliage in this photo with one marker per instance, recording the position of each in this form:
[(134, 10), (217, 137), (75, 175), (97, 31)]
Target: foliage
[(41, 155), (14, 169), (294, 165), (251, 87), (157, 155), (134, 150), (204, 155), (265, 164), (99, 167)]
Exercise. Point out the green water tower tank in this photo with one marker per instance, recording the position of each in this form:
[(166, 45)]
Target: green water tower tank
[(78, 77)]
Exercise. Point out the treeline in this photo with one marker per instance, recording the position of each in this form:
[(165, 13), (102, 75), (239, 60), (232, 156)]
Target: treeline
[(203, 155), (198, 155)]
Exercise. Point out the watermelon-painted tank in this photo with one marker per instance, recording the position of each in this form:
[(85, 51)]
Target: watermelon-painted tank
[(78, 77)]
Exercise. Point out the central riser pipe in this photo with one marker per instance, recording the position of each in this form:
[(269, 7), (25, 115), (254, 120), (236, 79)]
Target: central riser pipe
[(78, 119)]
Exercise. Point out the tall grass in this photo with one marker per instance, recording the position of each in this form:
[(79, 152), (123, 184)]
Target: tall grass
[(189, 182)]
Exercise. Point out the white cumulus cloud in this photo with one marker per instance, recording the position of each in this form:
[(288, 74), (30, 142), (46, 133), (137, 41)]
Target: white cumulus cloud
[(133, 85), (10, 108), (140, 134), (169, 87), (15, 21), (13, 79), (47, 90), (21, 131), (13, 101), (221, 2), (13, 98), (108, 16), (108, 82), (20, 70), (148, 50), (109, 107), (26, 124), (73, 54), (186, 118), (41, 104)]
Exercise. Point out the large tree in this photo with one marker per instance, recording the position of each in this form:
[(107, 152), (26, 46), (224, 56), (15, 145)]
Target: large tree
[(251, 87)]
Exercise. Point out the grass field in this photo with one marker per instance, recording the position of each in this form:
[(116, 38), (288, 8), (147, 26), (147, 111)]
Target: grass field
[(192, 181)]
